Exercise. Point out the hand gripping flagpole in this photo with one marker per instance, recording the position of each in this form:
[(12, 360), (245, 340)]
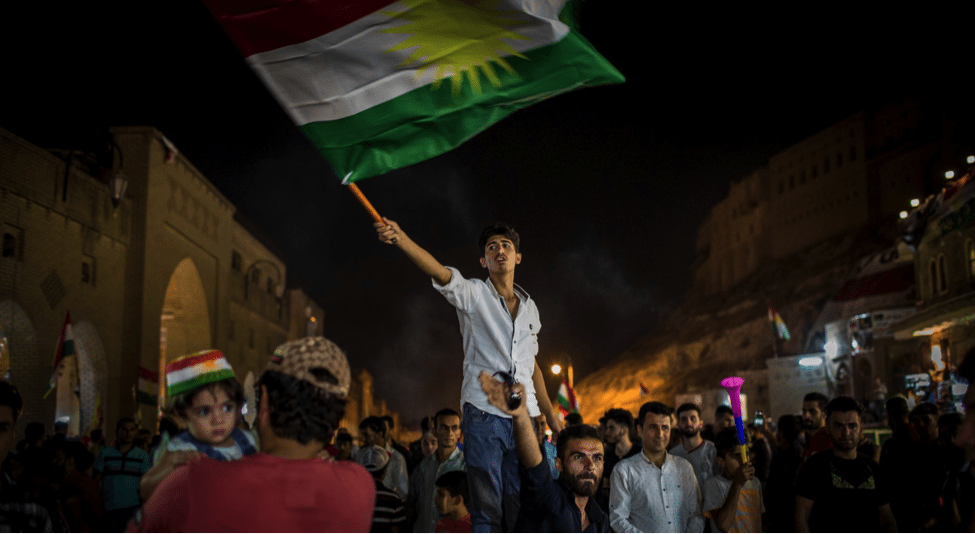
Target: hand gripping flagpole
[(733, 385), (364, 201)]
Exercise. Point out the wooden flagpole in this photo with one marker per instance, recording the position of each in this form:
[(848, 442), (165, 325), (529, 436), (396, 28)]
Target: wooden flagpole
[(366, 204)]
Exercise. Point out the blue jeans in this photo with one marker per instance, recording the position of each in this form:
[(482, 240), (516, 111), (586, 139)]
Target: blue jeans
[(492, 470)]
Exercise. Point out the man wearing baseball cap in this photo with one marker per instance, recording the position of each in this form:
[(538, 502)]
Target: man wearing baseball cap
[(285, 487), (389, 514)]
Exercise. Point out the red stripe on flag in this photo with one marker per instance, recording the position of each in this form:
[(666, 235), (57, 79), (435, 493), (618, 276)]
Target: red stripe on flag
[(190, 361), (260, 25), (147, 374)]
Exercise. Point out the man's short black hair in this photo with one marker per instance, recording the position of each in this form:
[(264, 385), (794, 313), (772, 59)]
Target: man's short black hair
[(498, 228), (925, 408), (9, 396), (818, 397), (723, 409), (790, 426), (388, 419), (574, 432), (183, 401), (654, 407), (897, 408), (948, 425), (373, 423), (621, 416), (726, 441), (343, 437), (573, 419), (455, 482), (300, 410), (443, 413), (122, 421), (688, 406), (844, 404)]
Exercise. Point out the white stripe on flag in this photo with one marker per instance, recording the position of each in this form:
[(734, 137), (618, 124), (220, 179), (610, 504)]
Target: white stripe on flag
[(314, 80), (196, 370)]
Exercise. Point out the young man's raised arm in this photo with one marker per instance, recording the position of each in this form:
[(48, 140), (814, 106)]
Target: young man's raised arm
[(544, 404), (391, 234)]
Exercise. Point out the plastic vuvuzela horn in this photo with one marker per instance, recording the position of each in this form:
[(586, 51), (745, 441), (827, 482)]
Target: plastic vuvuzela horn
[(733, 385)]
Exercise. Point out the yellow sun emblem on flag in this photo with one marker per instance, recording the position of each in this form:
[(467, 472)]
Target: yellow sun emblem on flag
[(457, 38)]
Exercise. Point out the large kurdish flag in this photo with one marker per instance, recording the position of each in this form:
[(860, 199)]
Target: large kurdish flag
[(377, 85)]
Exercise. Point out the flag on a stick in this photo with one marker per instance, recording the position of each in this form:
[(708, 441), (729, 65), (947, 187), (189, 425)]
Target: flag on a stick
[(644, 390), (567, 401), (148, 392), (777, 323), (378, 85), (64, 349)]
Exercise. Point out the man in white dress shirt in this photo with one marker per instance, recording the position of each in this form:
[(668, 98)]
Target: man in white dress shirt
[(655, 491)]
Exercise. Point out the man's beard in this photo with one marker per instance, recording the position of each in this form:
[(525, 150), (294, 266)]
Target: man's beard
[(808, 424), (689, 432), (584, 484)]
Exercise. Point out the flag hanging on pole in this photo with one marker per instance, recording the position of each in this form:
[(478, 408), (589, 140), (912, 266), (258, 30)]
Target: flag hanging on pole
[(567, 401), (777, 323), (644, 390), (148, 392), (379, 85), (64, 349)]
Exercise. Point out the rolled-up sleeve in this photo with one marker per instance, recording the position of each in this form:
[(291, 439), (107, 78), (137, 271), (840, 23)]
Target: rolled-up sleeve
[(459, 291)]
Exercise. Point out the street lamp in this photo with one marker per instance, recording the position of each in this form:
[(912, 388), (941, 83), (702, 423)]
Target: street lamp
[(278, 288), (557, 369)]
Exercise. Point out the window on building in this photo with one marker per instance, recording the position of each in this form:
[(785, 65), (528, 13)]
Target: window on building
[(839, 160), (802, 177), (826, 165), (970, 255), (942, 274), (235, 261), (255, 276), (230, 331), (933, 272), (815, 171), (853, 153), (792, 182), (13, 243), (781, 186), (88, 271), (250, 341), (271, 286)]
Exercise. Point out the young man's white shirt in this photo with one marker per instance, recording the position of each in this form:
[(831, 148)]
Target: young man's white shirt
[(492, 340), (647, 498)]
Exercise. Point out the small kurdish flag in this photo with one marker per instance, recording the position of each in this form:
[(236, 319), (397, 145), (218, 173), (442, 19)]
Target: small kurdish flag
[(777, 323), (65, 348), (194, 370), (567, 400), (366, 80), (148, 392)]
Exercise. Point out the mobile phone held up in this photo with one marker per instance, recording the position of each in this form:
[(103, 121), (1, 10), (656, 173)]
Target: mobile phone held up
[(759, 419)]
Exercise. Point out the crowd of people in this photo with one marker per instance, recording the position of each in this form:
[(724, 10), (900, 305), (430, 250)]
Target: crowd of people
[(662, 470), (489, 466)]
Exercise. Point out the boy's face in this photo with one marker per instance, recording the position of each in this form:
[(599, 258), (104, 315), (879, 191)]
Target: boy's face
[(445, 503), (730, 462), (371, 437), (500, 255), (212, 417), (428, 443)]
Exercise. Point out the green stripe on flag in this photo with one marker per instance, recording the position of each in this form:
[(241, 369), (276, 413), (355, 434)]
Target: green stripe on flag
[(146, 398), (425, 122)]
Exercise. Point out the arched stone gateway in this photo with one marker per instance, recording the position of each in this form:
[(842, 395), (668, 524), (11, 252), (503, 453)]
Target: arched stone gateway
[(19, 367), (185, 319)]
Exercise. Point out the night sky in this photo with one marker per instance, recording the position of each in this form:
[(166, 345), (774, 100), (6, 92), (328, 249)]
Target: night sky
[(606, 185)]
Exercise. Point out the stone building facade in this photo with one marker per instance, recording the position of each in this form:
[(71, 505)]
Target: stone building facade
[(166, 270)]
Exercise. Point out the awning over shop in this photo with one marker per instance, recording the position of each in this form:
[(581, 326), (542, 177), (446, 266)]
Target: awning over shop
[(958, 312)]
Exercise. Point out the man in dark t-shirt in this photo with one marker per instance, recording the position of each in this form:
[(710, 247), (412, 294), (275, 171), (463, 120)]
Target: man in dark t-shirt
[(838, 490)]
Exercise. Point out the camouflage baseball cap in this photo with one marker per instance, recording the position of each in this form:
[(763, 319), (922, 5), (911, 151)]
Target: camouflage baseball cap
[(315, 360)]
